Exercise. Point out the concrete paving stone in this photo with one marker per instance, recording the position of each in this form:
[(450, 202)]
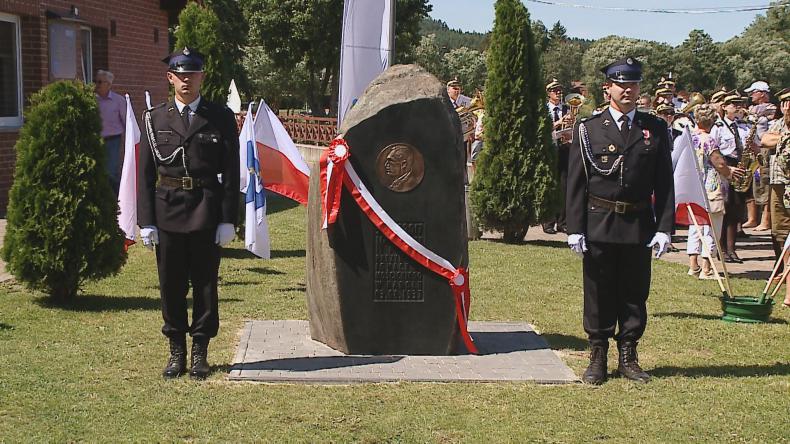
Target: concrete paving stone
[(512, 352)]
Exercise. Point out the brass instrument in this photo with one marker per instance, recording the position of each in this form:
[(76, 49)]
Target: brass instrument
[(694, 100), (468, 114), (574, 102), (749, 161)]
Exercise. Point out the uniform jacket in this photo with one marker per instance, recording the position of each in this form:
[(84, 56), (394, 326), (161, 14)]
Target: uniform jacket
[(211, 147), (646, 172)]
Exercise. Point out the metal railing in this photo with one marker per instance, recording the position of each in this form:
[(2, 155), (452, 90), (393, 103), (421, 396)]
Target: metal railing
[(310, 130)]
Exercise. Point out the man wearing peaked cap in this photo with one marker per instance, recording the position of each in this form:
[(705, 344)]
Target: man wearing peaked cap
[(559, 113), (185, 213), (761, 111), (454, 92), (674, 99), (618, 161)]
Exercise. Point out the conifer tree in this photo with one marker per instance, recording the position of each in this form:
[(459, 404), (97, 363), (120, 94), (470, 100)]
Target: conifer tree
[(62, 215), (516, 181), (218, 30)]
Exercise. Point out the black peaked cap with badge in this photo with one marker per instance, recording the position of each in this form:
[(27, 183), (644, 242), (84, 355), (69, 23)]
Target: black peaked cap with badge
[(185, 60), (783, 95), (627, 69)]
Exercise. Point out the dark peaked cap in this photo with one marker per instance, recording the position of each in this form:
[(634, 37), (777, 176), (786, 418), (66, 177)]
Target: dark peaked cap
[(185, 60), (627, 69)]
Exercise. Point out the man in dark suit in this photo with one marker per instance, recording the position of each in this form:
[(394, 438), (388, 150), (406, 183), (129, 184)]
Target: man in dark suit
[(560, 117), (620, 204), (187, 206)]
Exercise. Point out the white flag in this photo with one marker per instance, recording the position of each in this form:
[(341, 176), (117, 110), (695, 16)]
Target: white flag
[(688, 182), (127, 192), (256, 227), (366, 47), (234, 99)]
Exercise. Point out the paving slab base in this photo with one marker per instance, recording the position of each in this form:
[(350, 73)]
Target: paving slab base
[(282, 351)]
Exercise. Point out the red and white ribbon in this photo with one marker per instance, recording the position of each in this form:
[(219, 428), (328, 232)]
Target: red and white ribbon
[(458, 278), (331, 162)]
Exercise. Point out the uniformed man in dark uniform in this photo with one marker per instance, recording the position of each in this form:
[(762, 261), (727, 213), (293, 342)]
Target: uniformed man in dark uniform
[(187, 206), (620, 205), (559, 113)]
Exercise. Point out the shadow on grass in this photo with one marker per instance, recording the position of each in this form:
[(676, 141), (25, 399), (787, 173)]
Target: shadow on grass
[(548, 243), (709, 317), (314, 363), (99, 303), (299, 287), (276, 203), (242, 253), (559, 342), (262, 270), (4, 326), (724, 371)]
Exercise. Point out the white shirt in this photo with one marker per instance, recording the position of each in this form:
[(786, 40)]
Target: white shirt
[(617, 114), (552, 107), (192, 107)]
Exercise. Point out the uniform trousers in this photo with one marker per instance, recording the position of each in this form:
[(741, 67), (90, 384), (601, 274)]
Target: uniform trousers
[(616, 286), (184, 258), (562, 166)]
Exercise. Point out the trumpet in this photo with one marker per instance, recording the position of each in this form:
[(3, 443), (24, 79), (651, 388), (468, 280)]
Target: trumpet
[(574, 102)]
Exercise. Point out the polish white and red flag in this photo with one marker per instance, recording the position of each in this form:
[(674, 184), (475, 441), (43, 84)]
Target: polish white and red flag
[(283, 170), (127, 192), (689, 189)]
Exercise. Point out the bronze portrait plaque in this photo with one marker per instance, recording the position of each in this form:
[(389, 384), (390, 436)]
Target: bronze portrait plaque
[(400, 167)]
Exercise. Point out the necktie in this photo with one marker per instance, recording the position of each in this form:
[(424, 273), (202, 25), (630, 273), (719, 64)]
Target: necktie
[(624, 128), (556, 113), (185, 117), (738, 141)]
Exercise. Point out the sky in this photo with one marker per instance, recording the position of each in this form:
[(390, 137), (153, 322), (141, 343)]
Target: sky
[(478, 15)]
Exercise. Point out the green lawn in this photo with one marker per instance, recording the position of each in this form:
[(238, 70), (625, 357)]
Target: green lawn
[(91, 372)]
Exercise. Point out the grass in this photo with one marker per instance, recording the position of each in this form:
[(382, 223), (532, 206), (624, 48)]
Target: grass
[(91, 372)]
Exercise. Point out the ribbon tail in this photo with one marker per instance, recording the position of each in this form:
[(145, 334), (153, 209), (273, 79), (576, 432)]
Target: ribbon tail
[(462, 299)]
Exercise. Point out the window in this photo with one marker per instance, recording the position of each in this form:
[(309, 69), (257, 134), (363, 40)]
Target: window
[(62, 50), (10, 72)]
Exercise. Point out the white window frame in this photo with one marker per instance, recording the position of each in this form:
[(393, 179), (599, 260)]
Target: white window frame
[(15, 121), (87, 66)]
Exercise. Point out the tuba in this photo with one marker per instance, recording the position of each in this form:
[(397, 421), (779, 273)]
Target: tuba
[(574, 102), (695, 99), (468, 114)]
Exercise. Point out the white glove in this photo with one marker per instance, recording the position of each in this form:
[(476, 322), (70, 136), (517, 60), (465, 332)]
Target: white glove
[(577, 243), (660, 243), (150, 236), (225, 233)]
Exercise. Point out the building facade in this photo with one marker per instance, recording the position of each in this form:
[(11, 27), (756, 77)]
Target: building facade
[(42, 41)]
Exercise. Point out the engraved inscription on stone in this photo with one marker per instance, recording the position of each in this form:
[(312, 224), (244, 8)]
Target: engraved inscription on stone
[(397, 278), (400, 167)]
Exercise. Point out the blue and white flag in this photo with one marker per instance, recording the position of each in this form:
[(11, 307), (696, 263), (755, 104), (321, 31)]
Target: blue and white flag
[(256, 229), (365, 49)]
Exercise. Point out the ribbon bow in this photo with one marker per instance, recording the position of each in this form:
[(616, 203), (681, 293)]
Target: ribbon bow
[(332, 164)]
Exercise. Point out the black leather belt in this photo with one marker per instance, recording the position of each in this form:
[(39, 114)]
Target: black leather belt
[(186, 183), (618, 206)]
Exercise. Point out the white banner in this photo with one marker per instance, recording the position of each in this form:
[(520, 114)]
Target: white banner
[(366, 48)]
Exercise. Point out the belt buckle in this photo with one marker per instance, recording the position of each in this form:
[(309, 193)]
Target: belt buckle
[(186, 183), (619, 207)]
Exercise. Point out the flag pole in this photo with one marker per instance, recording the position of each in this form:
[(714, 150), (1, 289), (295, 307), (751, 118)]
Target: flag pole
[(725, 291)]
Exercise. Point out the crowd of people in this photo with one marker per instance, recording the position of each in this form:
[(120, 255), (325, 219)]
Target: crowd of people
[(741, 142)]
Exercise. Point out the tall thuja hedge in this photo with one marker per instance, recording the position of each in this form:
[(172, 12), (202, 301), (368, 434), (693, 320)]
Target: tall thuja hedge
[(516, 182), (62, 223)]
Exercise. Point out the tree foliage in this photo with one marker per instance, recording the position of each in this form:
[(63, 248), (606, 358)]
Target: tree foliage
[(700, 65), (309, 32), (62, 214), (516, 181), (469, 65), (219, 39)]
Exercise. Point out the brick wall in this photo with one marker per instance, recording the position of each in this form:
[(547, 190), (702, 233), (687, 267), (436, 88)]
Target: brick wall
[(132, 54)]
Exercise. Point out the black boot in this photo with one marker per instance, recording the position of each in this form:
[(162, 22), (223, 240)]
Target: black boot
[(628, 362), (596, 371), (177, 365), (200, 368)]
